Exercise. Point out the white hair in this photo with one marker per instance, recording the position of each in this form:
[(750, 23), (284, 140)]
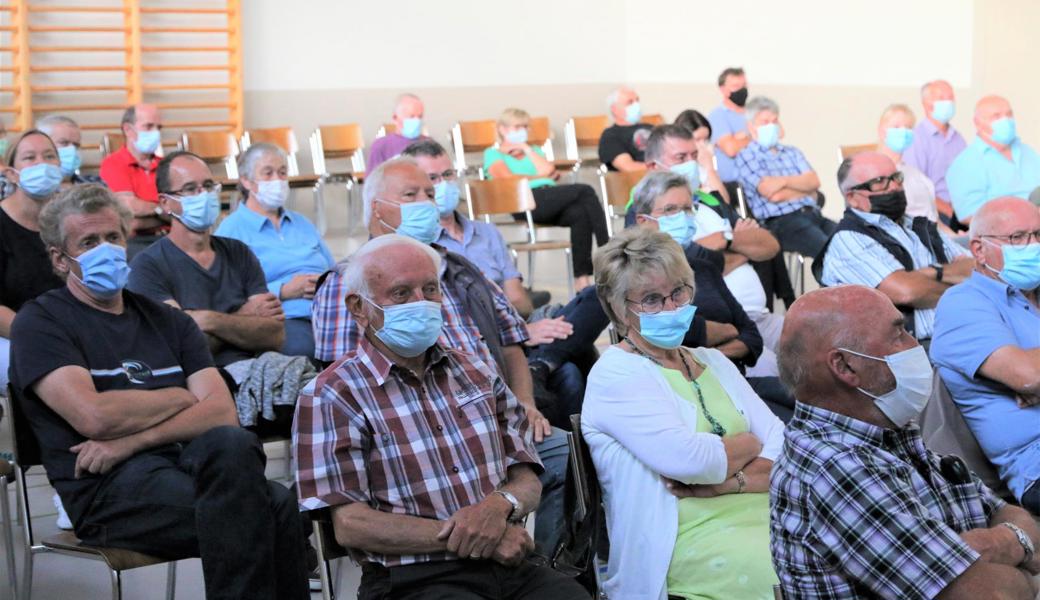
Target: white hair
[(612, 98), (759, 104), (375, 183), (353, 269), (48, 123)]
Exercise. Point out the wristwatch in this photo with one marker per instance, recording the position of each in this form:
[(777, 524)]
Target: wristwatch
[(728, 235), (514, 515), (938, 271), (741, 481), (1027, 544)]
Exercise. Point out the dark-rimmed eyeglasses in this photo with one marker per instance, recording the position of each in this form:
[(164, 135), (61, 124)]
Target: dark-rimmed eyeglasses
[(1019, 238), (879, 184), (652, 304), (190, 189)]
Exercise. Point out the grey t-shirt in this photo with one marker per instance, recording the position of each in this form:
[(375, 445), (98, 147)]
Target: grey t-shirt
[(163, 272)]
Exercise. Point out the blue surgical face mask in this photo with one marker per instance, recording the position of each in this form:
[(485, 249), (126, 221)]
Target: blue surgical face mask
[(446, 195), (70, 160), (691, 171), (943, 111), (410, 329), (411, 127), (148, 141), (681, 226), (517, 136), (768, 135), (633, 112), (1021, 265), (104, 269), (199, 212), (1004, 131), (667, 328), (40, 181), (898, 139), (272, 194), (419, 220)]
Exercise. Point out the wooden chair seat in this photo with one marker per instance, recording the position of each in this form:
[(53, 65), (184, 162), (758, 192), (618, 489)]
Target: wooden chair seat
[(116, 558), (538, 246)]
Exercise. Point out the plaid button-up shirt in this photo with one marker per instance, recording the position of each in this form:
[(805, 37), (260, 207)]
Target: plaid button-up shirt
[(755, 162), (426, 447), (858, 511)]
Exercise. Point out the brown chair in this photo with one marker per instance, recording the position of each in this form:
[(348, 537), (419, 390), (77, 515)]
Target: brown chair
[(214, 147), (540, 134), (342, 143), (111, 142), (654, 119), (853, 149), (283, 137), (583, 133), (472, 136), (26, 456), (386, 129), (509, 196), (615, 188)]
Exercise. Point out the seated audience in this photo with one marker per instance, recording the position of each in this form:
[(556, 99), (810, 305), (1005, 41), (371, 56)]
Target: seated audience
[(622, 144), (700, 126), (729, 127), (426, 527), (895, 134), (478, 319), (137, 429), (878, 245), (574, 206), (936, 142), (681, 443), (219, 283), (130, 173), (408, 118), (859, 507), (997, 163), (986, 344), (65, 134), (780, 186), (289, 248)]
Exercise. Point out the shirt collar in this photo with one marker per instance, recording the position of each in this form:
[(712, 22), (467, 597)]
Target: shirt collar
[(128, 159), (257, 221), (874, 218), (380, 366), (1016, 147), (763, 150), (993, 288), (861, 430), (930, 129)]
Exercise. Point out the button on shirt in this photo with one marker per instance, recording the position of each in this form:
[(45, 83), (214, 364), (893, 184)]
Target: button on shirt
[(726, 122), (981, 173), (853, 258), (294, 248), (484, 246), (755, 162), (858, 511), (932, 152), (424, 447), (974, 319)]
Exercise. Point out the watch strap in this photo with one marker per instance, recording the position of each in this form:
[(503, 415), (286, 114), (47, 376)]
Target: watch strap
[(741, 481), (1023, 539), (514, 512)]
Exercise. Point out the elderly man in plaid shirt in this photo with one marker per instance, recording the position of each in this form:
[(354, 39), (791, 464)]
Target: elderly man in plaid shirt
[(422, 451), (860, 508)]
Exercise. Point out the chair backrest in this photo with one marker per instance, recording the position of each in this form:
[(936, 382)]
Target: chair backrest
[(283, 137), (338, 142), (386, 129), (848, 150), (578, 461), (617, 186), (26, 447), (498, 196), (742, 206), (471, 136), (584, 132), (325, 535), (214, 147), (654, 119), (539, 133), (111, 142)]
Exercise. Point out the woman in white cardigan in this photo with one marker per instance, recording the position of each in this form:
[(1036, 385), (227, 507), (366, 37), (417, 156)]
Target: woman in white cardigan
[(682, 445)]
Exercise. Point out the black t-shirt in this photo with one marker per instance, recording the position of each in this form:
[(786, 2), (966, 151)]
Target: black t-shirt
[(163, 272), (716, 303), (25, 267), (622, 139), (148, 346)]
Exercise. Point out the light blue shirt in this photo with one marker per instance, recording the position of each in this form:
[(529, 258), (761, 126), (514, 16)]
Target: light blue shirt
[(975, 318), (981, 173), (482, 245), (293, 249), (726, 122)]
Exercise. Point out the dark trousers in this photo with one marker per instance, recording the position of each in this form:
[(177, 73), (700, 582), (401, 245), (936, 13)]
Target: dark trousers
[(210, 500), (1031, 499), (466, 580), (299, 338), (805, 231), (585, 313), (578, 207), (775, 395)]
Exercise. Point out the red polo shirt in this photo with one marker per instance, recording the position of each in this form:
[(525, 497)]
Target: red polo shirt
[(122, 173)]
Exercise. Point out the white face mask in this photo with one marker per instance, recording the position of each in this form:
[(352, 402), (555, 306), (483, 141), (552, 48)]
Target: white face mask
[(914, 378), (272, 194)]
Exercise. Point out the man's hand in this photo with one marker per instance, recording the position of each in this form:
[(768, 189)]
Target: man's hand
[(704, 155), (300, 286), (475, 531), (771, 185), (547, 330), (100, 457), (996, 544), (540, 426), (514, 546), (262, 305), (746, 225)]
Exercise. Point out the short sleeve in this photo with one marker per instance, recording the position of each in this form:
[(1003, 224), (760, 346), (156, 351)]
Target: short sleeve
[(40, 343), (611, 145), (116, 174), (800, 162), (853, 258), (968, 329), (194, 351), (709, 222), (148, 277), (719, 125), (500, 255), (516, 435), (254, 279), (491, 156)]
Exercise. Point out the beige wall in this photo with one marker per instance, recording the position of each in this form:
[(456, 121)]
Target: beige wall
[(312, 77)]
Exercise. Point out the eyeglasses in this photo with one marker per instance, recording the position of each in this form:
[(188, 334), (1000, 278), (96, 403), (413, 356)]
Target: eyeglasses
[(1019, 238), (652, 304), (673, 209), (879, 184), (193, 188)]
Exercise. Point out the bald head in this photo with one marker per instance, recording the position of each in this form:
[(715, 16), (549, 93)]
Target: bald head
[(407, 106), (861, 168), (618, 100), (936, 90), (991, 227), (988, 110)]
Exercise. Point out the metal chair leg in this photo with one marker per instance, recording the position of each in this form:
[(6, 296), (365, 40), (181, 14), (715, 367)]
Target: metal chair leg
[(5, 506), (117, 584), (288, 460), (319, 207), (171, 580), (23, 514), (570, 273), (530, 269)]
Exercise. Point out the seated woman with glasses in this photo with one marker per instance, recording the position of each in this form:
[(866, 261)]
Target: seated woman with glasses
[(572, 205), (681, 443)]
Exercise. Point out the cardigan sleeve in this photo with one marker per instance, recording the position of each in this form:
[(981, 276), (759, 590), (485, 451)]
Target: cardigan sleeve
[(761, 421)]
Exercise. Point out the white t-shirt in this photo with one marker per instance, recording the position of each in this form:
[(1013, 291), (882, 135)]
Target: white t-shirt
[(743, 281), (920, 193)]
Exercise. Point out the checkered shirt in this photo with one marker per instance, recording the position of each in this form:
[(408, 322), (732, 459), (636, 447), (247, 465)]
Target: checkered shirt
[(425, 447), (858, 511), (755, 162)]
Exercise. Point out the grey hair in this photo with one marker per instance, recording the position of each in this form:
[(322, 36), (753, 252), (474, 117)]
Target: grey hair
[(353, 269), (129, 116), (86, 199), (655, 142), (844, 169), (654, 185), (48, 123), (898, 107), (612, 98), (247, 162), (759, 104), (627, 260), (375, 183), (928, 85)]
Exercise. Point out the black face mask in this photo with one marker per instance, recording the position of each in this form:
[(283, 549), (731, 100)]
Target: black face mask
[(739, 97), (889, 204)]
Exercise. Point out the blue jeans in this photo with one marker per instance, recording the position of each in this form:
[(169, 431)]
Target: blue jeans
[(805, 231), (549, 518), (299, 338)]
